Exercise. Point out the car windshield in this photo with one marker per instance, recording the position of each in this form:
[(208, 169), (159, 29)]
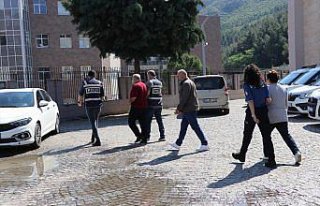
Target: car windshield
[(308, 77), (209, 83), (293, 76), (16, 99)]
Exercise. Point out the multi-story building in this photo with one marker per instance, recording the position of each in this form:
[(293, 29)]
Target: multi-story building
[(38, 37), (303, 32)]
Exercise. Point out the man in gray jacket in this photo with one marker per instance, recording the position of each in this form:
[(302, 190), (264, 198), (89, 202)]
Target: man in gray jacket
[(277, 112), (187, 109)]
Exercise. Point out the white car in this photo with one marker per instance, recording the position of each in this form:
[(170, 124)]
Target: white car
[(314, 105), (212, 92), (26, 115), (298, 98), (308, 78), (293, 76)]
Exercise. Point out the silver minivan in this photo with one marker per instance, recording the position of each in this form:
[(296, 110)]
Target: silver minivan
[(212, 93)]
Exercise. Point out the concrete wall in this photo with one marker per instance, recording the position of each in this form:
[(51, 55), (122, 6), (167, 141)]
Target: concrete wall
[(303, 32)]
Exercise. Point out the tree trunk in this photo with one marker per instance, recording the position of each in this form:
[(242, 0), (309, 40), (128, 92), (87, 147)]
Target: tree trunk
[(136, 66)]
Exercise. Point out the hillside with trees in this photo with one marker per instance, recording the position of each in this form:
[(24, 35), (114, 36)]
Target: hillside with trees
[(248, 26)]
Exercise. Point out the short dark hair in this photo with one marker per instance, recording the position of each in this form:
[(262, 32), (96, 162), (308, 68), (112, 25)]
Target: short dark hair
[(252, 75), (152, 73), (92, 73), (273, 76)]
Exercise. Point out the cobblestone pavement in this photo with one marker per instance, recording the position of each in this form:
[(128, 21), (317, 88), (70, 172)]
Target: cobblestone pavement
[(68, 171)]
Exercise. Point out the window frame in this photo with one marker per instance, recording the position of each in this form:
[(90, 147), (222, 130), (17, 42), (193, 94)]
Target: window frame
[(41, 38), (38, 5), (63, 40), (62, 11)]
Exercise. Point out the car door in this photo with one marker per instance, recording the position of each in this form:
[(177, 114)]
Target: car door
[(44, 120), (51, 110)]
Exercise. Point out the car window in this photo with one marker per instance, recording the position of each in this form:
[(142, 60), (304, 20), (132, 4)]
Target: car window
[(46, 96), (291, 78), (16, 99), (308, 77), (209, 83), (39, 97)]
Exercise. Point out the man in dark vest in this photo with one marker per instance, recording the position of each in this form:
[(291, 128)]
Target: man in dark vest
[(91, 94), (154, 103)]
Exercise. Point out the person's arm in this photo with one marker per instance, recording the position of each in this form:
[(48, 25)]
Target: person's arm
[(102, 93), (269, 96), (253, 111), (133, 94), (80, 95), (186, 88), (148, 84)]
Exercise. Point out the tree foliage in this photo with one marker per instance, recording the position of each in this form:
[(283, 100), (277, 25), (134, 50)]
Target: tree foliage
[(264, 43), (186, 61), (137, 29)]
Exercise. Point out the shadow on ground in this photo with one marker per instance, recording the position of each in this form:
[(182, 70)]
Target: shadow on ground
[(210, 113), (239, 174), (12, 151), (315, 128), (173, 155), (300, 119), (83, 124)]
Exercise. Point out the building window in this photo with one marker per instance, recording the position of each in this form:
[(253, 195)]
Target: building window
[(84, 71), (40, 6), (3, 39), (84, 42), (65, 41), (67, 72), (42, 41), (62, 10), (44, 75)]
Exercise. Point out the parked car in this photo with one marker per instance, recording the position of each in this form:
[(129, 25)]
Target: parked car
[(293, 76), (308, 78), (26, 115), (314, 105), (212, 92), (298, 98)]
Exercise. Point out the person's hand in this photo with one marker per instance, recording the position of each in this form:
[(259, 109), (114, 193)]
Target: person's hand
[(268, 100), (79, 104), (255, 119), (177, 112)]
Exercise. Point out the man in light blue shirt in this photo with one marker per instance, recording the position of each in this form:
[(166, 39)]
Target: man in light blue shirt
[(277, 112)]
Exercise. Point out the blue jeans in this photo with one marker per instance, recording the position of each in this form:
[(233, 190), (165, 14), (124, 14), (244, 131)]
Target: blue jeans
[(157, 113), (93, 115), (190, 118), (282, 128)]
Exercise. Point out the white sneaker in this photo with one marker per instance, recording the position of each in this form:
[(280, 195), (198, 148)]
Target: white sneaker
[(174, 147), (203, 148), (298, 157)]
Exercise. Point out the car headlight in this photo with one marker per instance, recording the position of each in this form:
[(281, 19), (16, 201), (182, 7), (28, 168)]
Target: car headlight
[(304, 95), (20, 122)]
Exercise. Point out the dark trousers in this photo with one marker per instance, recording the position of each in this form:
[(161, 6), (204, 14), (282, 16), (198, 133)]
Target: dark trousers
[(190, 118), (140, 115), (264, 127), (282, 128), (157, 113), (93, 116)]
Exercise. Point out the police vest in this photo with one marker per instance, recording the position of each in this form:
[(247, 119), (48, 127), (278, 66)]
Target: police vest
[(92, 92), (155, 96)]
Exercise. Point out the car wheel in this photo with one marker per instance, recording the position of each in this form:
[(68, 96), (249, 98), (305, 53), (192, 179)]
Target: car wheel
[(37, 136), (57, 125)]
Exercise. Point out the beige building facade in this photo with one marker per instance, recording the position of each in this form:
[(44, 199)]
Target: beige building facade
[(303, 32)]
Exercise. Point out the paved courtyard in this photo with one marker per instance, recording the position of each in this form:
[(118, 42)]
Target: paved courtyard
[(68, 171)]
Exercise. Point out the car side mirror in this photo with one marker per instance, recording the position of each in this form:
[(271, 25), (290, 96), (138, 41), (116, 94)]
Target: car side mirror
[(43, 103)]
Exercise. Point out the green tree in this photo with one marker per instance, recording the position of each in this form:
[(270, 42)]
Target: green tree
[(186, 61), (137, 29)]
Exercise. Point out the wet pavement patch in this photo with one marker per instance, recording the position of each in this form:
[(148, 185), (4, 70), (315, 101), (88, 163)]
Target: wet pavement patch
[(26, 168)]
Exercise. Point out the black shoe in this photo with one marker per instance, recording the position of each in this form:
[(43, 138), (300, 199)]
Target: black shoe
[(270, 164), (96, 142), (143, 142), (239, 156), (137, 140), (162, 139), (92, 139)]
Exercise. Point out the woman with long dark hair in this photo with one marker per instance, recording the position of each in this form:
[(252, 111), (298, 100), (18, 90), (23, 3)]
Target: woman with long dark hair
[(257, 96)]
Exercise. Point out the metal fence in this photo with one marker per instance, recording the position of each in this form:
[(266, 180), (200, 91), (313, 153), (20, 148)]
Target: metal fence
[(69, 80)]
